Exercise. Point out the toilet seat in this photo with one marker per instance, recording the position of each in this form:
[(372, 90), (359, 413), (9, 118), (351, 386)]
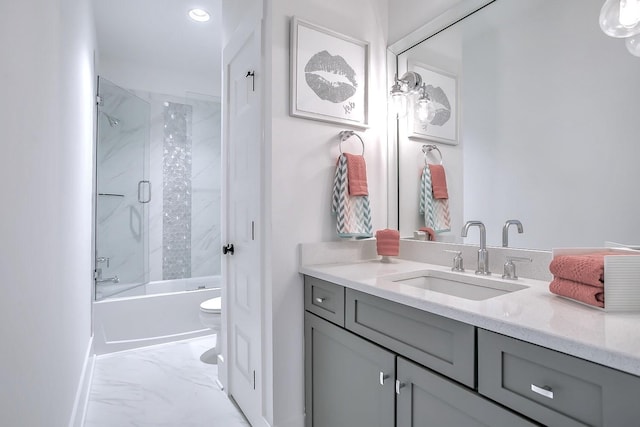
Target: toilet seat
[(213, 305)]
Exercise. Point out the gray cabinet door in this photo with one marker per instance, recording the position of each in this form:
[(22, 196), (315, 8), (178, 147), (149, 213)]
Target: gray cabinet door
[(349, 381), (427, 399)]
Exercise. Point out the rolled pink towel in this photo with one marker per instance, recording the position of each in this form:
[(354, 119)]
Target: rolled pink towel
[(388, 242), (585, 268), (592, 295)]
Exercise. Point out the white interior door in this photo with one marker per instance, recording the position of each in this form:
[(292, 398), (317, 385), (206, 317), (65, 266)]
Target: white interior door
[(242, 268)]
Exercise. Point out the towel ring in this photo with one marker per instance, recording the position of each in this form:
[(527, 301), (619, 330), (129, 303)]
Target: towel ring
[(427, 148), (346, 134)]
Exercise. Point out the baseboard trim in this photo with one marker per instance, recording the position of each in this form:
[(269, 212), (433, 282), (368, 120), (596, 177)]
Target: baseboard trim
[(82, 394)]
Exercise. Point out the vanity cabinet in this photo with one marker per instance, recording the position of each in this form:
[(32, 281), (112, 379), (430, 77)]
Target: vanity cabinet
[(367, 375)]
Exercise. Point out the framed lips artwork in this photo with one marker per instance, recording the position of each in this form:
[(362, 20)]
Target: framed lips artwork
[(441, 124), (329, 75)]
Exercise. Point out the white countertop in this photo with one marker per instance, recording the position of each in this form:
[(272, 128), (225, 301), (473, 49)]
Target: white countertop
[(533, 314)]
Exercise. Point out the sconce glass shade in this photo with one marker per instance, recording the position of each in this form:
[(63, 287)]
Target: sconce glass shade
[(397, 100), (620, 18), (426, 110), (398, 103), (633, 45)]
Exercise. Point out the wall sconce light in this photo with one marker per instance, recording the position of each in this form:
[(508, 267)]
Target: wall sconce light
[(406, 86), (621, 19)]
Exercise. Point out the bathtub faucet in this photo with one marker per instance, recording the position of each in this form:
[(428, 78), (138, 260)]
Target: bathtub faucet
[(99, 278), (113, 279)]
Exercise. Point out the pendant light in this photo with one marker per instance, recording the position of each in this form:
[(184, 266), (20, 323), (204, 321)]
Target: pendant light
[(620, 18)]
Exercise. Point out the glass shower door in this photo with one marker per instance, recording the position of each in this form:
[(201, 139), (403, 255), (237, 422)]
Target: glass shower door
[(123, 188)]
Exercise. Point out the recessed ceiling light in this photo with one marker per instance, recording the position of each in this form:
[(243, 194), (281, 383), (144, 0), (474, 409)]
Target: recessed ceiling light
[(199, 15)]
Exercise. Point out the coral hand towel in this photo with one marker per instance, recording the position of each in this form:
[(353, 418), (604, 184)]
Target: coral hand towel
[(591, 295), (357, 173), (586, 268), (388, 242), (438, 182), (431, 235)]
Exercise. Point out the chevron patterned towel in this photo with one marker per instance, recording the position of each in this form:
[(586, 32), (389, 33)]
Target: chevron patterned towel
[(353, 214), (435, 211)]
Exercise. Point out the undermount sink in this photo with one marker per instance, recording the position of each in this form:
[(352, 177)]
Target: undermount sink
[(475, 288)]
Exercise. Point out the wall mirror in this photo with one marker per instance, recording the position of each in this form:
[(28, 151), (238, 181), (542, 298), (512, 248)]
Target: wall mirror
[(549, 126)]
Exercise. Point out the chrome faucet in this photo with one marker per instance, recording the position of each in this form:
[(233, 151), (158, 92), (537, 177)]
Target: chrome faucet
[(99, 279), (483, 255), (505, 231)]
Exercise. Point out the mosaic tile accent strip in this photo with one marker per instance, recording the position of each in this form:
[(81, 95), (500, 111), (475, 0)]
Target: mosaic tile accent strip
[(176, 221)]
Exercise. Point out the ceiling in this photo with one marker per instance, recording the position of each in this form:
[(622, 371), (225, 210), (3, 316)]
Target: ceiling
[(159, 33)]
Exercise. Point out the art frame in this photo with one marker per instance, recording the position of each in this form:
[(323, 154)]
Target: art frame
[(329, 75), (442, 87)]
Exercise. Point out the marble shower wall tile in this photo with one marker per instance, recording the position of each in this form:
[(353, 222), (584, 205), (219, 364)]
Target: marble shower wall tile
[(205, 178), (206, 185)]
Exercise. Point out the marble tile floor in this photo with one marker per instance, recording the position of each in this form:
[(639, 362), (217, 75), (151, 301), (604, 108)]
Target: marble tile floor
[(161, 386)]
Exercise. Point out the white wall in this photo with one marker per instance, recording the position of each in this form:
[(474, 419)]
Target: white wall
[(551, 137), (406, 16), (303, 158), (168, 81), (45, 221)]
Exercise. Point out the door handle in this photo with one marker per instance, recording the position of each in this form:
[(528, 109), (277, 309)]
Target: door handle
[(383, 377), (545, 391), (228, 249)]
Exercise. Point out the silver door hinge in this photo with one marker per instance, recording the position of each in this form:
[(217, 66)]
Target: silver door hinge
[(99, 100)]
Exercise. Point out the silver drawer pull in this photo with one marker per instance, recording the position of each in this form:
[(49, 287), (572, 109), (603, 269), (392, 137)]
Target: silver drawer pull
[(320, 300), (399, 385), (543, 391), (383, 377)]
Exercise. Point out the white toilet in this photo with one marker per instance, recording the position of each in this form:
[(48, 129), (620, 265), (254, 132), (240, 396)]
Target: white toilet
[(210, 317)]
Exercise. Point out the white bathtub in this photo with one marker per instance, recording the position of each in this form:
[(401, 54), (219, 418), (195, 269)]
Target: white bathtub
[(153, 313)]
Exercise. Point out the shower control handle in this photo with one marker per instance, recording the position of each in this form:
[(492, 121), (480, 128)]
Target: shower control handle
[(228, 249)]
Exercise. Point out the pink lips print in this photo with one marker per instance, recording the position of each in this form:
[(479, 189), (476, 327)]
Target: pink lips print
[(330, 77)]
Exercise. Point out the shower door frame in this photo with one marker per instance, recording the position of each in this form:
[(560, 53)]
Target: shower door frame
[(141, 190)]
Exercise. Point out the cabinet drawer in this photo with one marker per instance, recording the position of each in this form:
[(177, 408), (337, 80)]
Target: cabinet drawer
[(324, 299), (552, 387), (442, 344)]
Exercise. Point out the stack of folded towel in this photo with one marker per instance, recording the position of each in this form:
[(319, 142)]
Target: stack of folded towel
[(350, 199), (580, 277)]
